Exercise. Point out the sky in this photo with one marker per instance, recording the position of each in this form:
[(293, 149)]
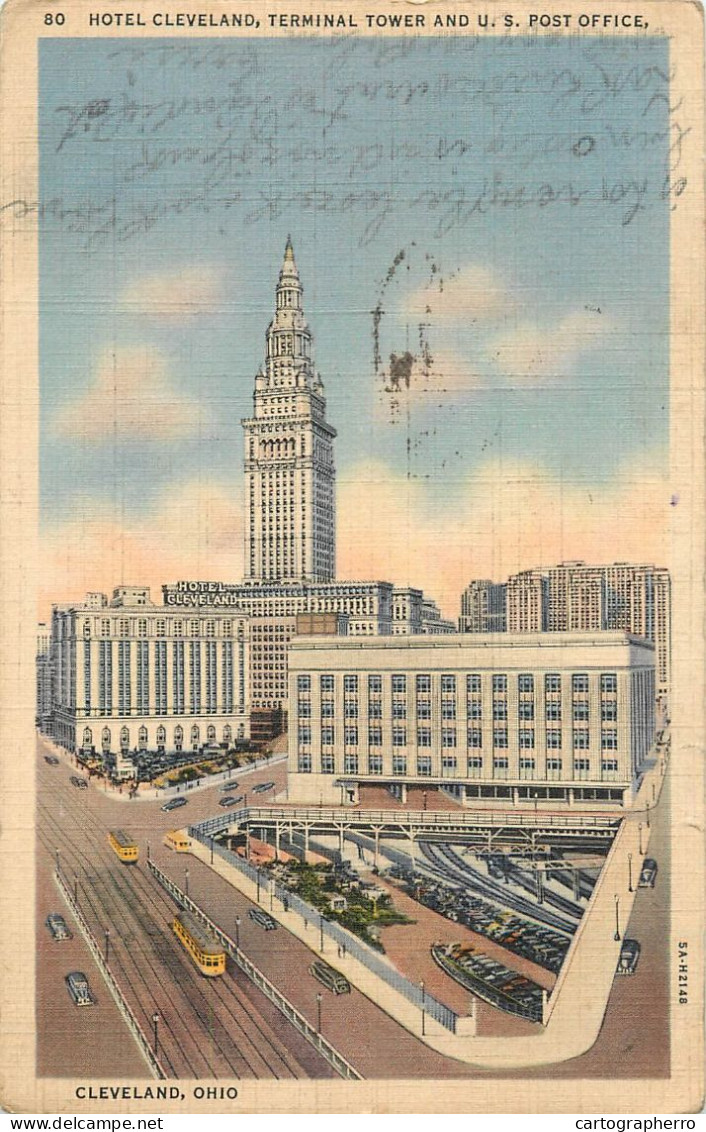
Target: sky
[(491, 210)]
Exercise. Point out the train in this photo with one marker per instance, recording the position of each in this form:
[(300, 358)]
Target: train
[(124, 846), (203, 947)]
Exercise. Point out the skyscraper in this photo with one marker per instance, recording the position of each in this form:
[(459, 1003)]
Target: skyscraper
[(289, 471)]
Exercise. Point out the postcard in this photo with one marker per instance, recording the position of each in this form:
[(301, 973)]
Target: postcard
[(353, 557)]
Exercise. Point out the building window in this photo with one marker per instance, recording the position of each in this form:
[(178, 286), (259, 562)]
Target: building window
[(160, 677), (351, 736), (582, 766), (303, 683), (448, 709), (142, 628), (554, 764), (609, 710), (326, 683), (143, 678), (475, 737), (554, 738), (424, 766), (609, 682), (327, 709), (374, 764), (304, 734), (500, 709), (424, 683), (211, 677), (475, 764), (500, 683), (609, 765), (304, 763), (579, 682), (475, 709), (350, 684), (399, 736), (423, 709), (449, 764), (552, 682), (195, 677), (553, 709), (399, 709), (448, 736), (350, 764), (580, 710), (581, 738), (399, 684), (500, 763), (375, 736), (374, 685), (327, 735), (399, 764), (424, 737), (500, 737), (304, 709), (327, 764), (375, 709), (525, 682), (161, 628), (609, 740), (124, 683), (525, 709), (448, 684), (226, 675), (525, 738), (473, 682)]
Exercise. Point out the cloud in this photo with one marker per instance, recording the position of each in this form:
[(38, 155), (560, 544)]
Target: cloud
[(175, 295), (131, 398), (473, 293), (507, 517), (194, 531), (529, 351)]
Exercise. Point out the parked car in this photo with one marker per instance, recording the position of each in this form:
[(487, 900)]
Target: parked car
[(51, 759), (648, 873), (228, 801), (263, 919), (229, 786), (57, 926), (629, 955), (79, 989), (263, 787), (80, 783), (174, 803)]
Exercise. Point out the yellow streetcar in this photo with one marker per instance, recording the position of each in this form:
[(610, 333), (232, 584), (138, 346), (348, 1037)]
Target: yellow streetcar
[(177, 841), (124, 846), (205, 950)]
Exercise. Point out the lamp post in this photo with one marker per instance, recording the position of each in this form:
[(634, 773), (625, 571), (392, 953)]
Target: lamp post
[(272, 893), (319, 999), (106, 953), (654, 794), (616, 937), (321, 932), (258, 884), (424, 1009), (58, 861), (630, 888), (237, 932), (75, 889), (155, 1024), (211, 840), (186, 881), (148, 851), (647, 812), (639, 833)]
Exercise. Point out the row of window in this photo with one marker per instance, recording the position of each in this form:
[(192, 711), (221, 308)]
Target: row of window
[(353, 765), (422, 682), (126, 628), (525, 709), (525, 737)]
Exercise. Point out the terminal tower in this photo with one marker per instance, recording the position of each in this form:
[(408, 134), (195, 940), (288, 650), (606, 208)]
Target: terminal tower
[(289, 471)]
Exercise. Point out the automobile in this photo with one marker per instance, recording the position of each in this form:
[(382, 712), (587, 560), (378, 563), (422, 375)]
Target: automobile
[(263, 787), (174, 803), (648, 873), (51, 759), (239, 799), (79, 989), (80, 783), (229, 786), (229, 800), (629, 955), (263, 919), (57, 926)]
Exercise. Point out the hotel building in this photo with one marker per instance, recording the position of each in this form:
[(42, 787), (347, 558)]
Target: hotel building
[(553, 718), (131, 675)]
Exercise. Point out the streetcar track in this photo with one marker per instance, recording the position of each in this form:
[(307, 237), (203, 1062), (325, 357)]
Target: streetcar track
[(102, 903)]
